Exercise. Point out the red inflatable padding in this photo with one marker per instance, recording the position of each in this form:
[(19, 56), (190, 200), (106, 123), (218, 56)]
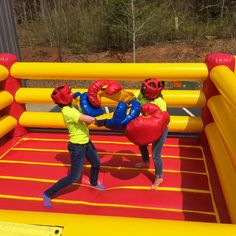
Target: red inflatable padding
[(148, 127), (110, 87), (219, 59)]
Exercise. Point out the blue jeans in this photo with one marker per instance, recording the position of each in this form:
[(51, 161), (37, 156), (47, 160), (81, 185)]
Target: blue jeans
[(156, 153), (77, 154)]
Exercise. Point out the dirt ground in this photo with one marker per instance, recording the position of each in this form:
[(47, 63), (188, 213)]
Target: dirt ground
[(175, 51)]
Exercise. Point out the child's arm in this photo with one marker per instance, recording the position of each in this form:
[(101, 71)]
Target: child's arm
[(87, 119)]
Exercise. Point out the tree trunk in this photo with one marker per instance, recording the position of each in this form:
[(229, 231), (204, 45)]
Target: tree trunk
[(222, 9), (42, 9), (133, 31)]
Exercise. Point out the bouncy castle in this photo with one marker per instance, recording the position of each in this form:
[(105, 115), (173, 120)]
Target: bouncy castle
[(198, 195)]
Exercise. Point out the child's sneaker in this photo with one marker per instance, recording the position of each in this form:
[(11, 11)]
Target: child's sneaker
[(46, 201), (99, 187)]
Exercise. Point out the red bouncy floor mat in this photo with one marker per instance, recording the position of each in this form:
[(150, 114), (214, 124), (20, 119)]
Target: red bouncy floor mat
[(190, 191)]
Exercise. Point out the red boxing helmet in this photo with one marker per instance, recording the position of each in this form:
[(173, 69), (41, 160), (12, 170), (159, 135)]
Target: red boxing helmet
[(62, 95), (151, 88)]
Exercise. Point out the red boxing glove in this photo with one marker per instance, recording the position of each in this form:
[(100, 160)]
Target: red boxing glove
[(148, 127), (102, 88)]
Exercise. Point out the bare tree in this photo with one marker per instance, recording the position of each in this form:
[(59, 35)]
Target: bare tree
[(132, 16), (57, 23), (133, 32)]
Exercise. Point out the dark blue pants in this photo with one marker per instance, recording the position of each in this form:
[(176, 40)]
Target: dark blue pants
[(156, 153), (77, 154)]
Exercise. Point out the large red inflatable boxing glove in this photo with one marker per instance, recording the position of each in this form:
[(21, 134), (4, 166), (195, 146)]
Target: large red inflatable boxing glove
[(109, 89), (148, 127)]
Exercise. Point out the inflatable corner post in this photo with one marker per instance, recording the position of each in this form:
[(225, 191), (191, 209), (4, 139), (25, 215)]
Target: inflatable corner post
[(10, 85)]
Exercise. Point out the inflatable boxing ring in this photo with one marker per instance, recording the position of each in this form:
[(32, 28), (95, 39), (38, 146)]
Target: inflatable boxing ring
[(198, 195)]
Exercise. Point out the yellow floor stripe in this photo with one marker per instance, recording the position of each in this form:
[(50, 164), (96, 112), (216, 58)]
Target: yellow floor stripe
[(105, 204), (163, 189), (182, 146), (28, 179), (46, 139), (210, 187), (5, 153), (184, 158), (120, 168), (108, 142), (106, 153), (39, 150), (189, 190), (33, 163)]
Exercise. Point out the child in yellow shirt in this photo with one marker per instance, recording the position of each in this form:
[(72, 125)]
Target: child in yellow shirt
[(79, 146), (150, 92)]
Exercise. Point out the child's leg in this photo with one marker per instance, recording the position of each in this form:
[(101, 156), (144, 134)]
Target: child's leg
[(77, 153), (156, 154), (145, 157), (93, 158)]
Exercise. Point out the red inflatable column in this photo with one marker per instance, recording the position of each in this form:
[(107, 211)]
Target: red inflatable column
[(12, 85), (209, 89)]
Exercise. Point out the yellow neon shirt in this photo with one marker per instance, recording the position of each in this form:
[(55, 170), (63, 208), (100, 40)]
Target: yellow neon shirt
[(160, 102), (78, 130)]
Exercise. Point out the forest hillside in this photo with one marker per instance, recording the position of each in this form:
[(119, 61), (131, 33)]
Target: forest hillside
[(114, 27), (124, 30)]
